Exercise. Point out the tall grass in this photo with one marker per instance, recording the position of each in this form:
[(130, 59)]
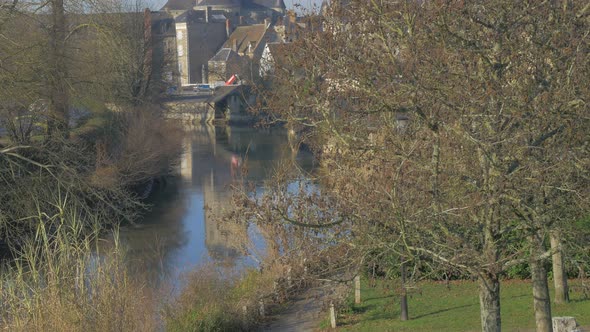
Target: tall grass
[(60, 282), (213, 300)]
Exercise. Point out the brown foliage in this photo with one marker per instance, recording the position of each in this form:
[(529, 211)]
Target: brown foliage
[(494, 149), (144, 146)]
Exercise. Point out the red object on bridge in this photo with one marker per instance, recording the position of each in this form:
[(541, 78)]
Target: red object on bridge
[(232, 80)]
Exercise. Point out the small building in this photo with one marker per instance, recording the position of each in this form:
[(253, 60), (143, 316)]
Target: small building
[(249, 42), (225, 64)]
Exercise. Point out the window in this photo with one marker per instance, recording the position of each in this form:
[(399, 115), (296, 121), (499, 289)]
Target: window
[(180, 50)]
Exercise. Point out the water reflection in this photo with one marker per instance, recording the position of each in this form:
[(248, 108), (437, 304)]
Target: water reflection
[(181, 231)]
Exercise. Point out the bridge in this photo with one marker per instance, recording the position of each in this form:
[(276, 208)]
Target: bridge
[(224, 104)]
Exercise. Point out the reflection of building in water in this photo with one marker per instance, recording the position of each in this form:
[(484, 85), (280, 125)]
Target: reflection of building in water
[(178, 233), (186, 164), (216, 158), (221, 243), (211, 171)]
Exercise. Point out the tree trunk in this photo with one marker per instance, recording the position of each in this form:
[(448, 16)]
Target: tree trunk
[(404, 297), (541, 300), (489, 302), (559, 275), (57, 124)]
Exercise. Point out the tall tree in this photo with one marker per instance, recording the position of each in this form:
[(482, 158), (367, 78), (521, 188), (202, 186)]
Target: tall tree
[(57, 75), (444, 126)]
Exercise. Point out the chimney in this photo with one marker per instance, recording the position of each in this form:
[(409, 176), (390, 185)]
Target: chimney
[(234, 46), (207, 14), (241, 20), (292, 17), (227, 27)]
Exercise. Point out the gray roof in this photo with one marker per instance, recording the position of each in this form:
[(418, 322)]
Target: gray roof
[(179, 4), (220, 3), (199, 16), (253, 4), (269, 3), (222, 55), (224, 91), (243, 35)]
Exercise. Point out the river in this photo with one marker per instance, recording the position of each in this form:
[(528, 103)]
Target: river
[(180, 232)]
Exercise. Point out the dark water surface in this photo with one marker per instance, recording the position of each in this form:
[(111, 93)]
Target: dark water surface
[(181, 232)]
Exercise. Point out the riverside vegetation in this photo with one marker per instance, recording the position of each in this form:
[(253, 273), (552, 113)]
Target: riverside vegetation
[(453, 138), (82, 140), (57, 204), (71, 168)]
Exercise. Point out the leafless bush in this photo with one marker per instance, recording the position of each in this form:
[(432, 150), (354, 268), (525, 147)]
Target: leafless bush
[(144, 146)]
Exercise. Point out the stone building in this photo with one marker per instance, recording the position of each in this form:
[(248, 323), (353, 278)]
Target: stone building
[(225, 64), (203, 28), (239, 12), (165, 63), (198, 37)]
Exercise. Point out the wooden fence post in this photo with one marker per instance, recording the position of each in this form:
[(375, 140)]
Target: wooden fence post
[(245, 318), (261, 303), (357, 289), (332, 315)]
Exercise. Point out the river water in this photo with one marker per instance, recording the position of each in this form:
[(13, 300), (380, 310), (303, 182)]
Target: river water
[(181, 232)]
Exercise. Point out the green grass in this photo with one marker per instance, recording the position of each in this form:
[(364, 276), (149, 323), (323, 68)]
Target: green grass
[(434, 307)]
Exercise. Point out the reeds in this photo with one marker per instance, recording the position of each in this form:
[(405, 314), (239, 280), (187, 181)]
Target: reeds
[(60, 281)]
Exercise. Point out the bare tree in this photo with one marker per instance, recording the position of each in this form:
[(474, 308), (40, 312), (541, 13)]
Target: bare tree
[(449, 129)]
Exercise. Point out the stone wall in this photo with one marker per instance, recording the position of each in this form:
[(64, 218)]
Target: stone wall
[(190, 111)]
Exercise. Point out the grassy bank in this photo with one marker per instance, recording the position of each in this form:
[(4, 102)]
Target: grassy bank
[(214, 301), (436, 307)]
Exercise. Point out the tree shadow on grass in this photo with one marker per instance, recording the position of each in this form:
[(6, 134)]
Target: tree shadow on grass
[(579, 300), (444, 310), (380, 297), (515, 296), (363, 308), (382, 315)]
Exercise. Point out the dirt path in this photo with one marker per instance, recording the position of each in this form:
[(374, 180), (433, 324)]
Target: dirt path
[(306, 311)]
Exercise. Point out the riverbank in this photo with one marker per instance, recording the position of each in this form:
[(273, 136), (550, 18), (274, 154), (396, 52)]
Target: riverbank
[(167, 247), (60, 197), (281, 297), (101, 171)]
